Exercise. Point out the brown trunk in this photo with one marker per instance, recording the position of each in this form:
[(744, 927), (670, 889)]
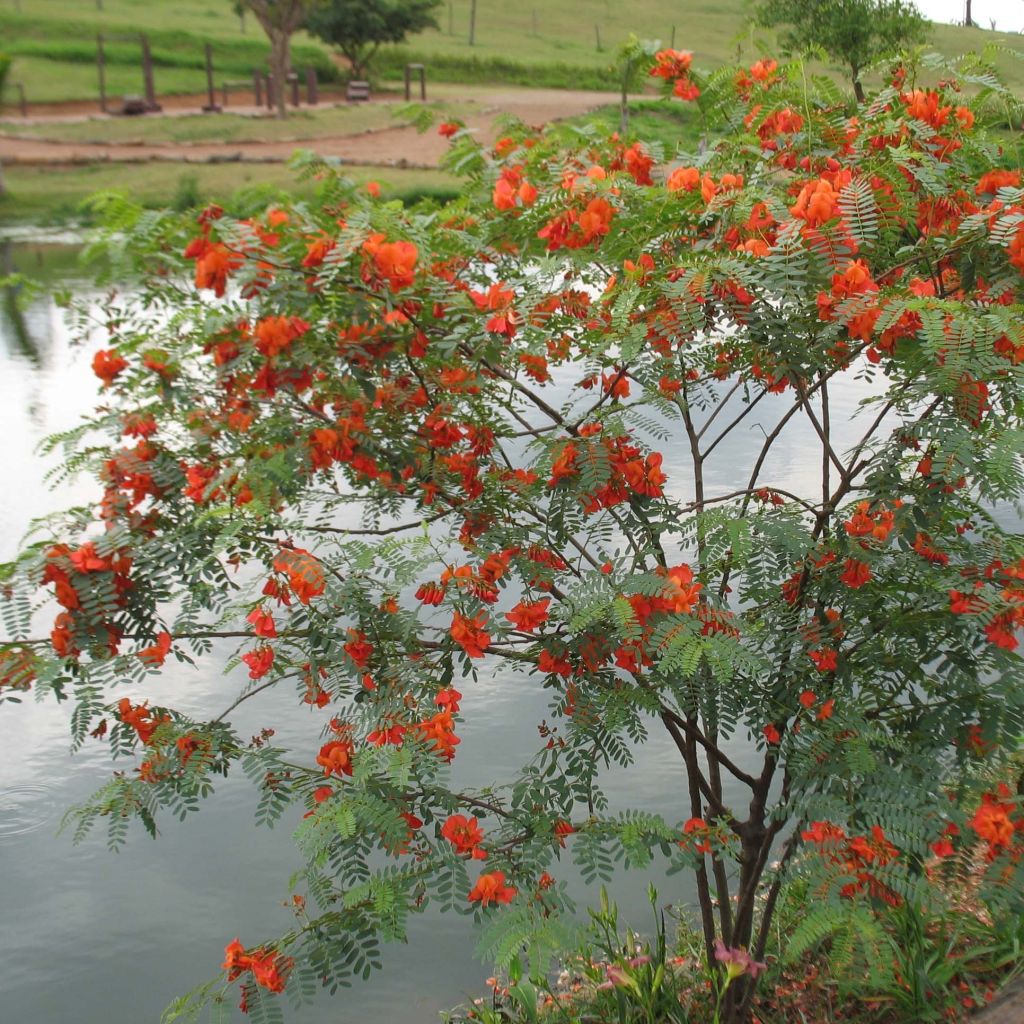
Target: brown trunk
[(858, 89), (968, 20), (280, 67)]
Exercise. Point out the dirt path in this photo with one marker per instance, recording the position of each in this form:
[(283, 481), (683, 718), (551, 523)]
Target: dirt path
[(387, 146)]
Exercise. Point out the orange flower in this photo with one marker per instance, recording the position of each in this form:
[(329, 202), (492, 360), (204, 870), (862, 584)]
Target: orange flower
[(465, 834), (817, 203), (107, 364), (335, 757), (235, 959), (393, 262), (275, 333), (528, 616), (469, 634), (259, 661), (270, 970), (214, 265), (358, 649), (305, 574), (683, 179), (140, 718), (824, 660), (681, 593), (155, 655), (855, 574), (491, 888), (262, 623), (439, 731), (564, 464)]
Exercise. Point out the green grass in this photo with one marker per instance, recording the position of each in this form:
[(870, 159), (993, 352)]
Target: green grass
[(303, 124), (666, 122), (558, 49), (47, 195)]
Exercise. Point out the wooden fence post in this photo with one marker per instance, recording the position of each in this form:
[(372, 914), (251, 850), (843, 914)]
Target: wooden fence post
[(312, 92), (101, 61), (147, 74), (472, 22)]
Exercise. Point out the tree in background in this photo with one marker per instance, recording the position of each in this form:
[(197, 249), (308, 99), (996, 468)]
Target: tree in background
[(280, 19), (856, 33), (358, 27), (632, 61)]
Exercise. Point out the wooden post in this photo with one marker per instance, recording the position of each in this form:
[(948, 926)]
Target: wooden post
[(224, 94), (597, 36), (312, 92), (211, 96), (102, 71), (269, 85), (420, 70), (293, 78), (451, 30), (534, 22), (672, 45), (241, 18), (472, 22), (21, 94), (407, 74), (147, 74), (257, 88)]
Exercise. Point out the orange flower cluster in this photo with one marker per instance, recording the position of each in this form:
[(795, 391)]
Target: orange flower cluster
[(141, 719), (674, 66), (465, 834), (269, 969), (438, 732), (491, 888), (335, 755), (1001, 628), (994, 822), (64, 565), (629, 471), (873, 525), (574, 228), (389, 263), (498, 300), (304, 572), (107, 365), (469, 633), (512, 191), (857, 856)]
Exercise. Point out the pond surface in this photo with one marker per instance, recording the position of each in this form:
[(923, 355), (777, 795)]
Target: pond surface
[(92, 937)]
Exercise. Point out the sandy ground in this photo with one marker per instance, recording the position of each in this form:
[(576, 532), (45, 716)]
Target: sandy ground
[(386, 146)]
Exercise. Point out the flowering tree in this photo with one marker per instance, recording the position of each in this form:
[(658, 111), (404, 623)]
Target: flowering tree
[(378, 448)]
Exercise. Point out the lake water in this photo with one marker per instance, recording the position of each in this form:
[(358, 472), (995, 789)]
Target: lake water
[(92, 937)]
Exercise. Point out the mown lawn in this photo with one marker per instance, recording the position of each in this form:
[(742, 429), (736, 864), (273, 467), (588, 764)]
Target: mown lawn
[(553, 45), (46, 195)]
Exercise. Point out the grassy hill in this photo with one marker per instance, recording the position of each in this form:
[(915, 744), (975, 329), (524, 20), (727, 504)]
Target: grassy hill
[(553, 44)]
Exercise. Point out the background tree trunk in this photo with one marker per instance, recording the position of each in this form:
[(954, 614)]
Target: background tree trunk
[(280, 67)]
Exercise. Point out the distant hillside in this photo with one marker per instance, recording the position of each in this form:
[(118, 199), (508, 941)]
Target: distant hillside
[(553, 43)]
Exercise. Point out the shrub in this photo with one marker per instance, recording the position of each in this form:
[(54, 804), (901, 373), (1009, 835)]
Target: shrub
[(357, 449)]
